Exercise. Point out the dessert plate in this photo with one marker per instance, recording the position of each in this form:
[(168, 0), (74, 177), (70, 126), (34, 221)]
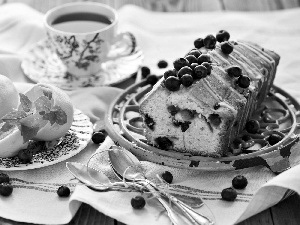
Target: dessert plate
[(75, 140), (42, 65), (125, 126)]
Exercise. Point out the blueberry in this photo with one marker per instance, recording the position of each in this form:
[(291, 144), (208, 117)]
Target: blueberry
[(167, 176), (234, 71), (98, 137), (170, 73), (222, 35), (63, 191), (200, 72), (216, 106), (198, 43), (252, 126), (229, 194), (191, 59), (25, 156), (195, 53), (187, 80), (239, 182), (172, 109), (172, 83), (152, 79), (184, 70), (138, 202), (162, 64), (226, 47), (210, 41), (164, 143), (193, 65), (203, 58), (246, 138), (6, 189), (274, 139), (4, 178), (145, 71), (179, 63), (208, 67), (244, 81)]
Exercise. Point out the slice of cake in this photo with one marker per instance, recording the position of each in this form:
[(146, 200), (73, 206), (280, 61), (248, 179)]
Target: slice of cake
[(201, 105)]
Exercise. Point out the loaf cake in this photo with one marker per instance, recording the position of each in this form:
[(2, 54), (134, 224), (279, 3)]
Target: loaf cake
[(200, 106)]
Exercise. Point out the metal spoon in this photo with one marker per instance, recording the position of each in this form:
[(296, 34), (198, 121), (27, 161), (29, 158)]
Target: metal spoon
[(124, 163)]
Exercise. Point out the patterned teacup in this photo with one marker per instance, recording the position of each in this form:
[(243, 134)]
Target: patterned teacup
[(84, 35)]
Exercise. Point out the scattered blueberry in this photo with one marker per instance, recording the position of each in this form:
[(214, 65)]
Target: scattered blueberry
[(200, 72), (162, 64), (244, 81), (25, 156), (145, 71), (252, 126), (208, 67), (229, 194), (195, 52), (203, 58), (210, 41), (172, 83), (222, 35), (152, 79), (239, 182), (6, 189), (179, 63), (193, 65), (274, 139), (63, 191), (98, 137), (184, 70), (138, 202), (191, 59), (234, 71), (187, 80), (172, 109), (170, 73), (4, 178), (167, 176), (216, 106), (164, 143), (198, 43), (226, 47)]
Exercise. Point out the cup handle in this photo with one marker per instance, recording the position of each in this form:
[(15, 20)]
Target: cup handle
[(123, 45)]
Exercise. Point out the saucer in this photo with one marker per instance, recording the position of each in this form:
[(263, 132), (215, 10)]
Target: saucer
[(42, 65)]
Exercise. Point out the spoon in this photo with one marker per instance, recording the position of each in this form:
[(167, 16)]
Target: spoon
[(124, 163)]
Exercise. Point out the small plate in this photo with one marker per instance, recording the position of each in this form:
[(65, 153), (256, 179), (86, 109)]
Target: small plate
[(42, 65), (75, 140)]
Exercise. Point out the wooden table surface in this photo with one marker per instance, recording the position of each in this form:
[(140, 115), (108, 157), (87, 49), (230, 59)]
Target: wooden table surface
[(284, 213)]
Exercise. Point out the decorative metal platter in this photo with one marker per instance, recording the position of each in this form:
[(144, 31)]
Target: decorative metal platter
[(280, 114)]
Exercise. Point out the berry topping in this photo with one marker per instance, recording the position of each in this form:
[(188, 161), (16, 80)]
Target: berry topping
[(152, 79), (195, 53), (210, 41), (244, 81), (184, 70), (149, 122), (185, 125), (172, 109), (226, 47), (98, 137), (208, 67), (252, 126), (246, 138), (63, 191), (4, 178), (25, 156), (222, 35), (274, 139), (172, 83), (138, 202), (198, 43), (170, 73), (145, 71), (216, 106), (162, 64), (191, 59), (164, 143), (167, 176), (234, 71), (6, 189), (187, 80), (229, 194), (179, 63), (203, 58), (239, 182), (200, 72), (193, 65)]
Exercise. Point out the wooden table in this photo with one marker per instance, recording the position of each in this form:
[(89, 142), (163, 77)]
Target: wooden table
[(285, 212)]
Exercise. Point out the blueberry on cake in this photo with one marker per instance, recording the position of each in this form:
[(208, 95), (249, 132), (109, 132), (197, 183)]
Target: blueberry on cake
[(201, 105)]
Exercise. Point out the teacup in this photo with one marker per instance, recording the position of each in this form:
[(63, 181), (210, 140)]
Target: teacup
[(84, 35)]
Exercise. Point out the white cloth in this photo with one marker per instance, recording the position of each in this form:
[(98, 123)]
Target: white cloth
[(161, 36)]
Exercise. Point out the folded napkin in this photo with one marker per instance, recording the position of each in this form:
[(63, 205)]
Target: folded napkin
[(161, 36)]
